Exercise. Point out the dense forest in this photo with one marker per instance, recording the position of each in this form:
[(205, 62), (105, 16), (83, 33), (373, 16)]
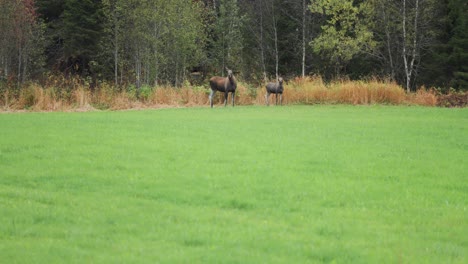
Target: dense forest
[(158, 42)]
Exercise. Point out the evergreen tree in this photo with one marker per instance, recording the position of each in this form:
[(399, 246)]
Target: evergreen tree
[(458, 43), (50, 11), (435, 70), (81, 31)]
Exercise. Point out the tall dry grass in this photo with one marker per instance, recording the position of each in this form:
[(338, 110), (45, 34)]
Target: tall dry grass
[(315, 91), (77, 96)]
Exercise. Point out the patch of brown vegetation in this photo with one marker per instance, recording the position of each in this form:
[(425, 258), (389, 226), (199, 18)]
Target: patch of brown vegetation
[(453, 99), (77, 96)]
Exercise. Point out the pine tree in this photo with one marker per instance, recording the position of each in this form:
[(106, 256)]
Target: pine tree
[(458, 43), (81, 27)]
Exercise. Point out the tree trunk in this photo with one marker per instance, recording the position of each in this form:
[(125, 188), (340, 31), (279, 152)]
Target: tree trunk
[(116, 46), (138, 71), (388, 39), (116, 57), (276, 52), (413, 57), (262, 49), (409, 68), (20, 58), (155, 55), (303, 37), (25, 67), (275, 31), (405, 60)]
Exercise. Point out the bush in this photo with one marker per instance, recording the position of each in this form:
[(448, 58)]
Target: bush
[(453, 99), (59, 94)]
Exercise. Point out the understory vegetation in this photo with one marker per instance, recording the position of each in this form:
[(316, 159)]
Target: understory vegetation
[(61, 94), (414, 43)]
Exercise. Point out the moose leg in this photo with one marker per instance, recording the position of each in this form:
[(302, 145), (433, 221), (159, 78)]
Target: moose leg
[(226, 94), (276, 98), (233, 95), (211, 97), (281, 99), (266, 98)]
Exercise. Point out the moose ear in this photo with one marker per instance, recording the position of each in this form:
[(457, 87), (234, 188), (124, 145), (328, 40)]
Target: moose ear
[(226, 68)]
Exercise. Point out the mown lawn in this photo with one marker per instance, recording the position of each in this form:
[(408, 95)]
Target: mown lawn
[(293, 184)]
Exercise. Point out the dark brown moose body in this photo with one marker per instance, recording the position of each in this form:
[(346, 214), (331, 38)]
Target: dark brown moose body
[(275, 88), (225, 85)]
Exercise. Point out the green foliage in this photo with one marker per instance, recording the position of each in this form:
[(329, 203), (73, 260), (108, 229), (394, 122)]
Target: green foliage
[(227, 39), (81, 31), (22, 41), (159, 42), (458, 58), (145, 92), (346, 32), (445, 63), (295, 184), (164, 37)]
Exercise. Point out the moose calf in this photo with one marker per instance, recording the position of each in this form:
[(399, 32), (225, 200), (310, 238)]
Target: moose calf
[(275, 88)]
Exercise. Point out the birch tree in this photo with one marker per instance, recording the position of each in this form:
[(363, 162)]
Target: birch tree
[(410, 44), (114, 10), (21, 40), (406, 31), (304, 12), (228, 40), (346, 32)]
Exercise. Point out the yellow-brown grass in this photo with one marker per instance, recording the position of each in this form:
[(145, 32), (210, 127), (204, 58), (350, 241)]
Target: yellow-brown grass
[(311, 90), (170, 96), (36, 98), (423, 97)]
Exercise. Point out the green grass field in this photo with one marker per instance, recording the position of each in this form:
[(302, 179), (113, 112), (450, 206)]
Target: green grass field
[(293, 184)]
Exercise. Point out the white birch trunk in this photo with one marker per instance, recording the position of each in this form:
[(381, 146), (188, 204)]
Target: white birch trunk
[(388, 39), (303, 37), (262, 49), (405, 59), (116, 47), (116, 58), (409, 68), (20, 58), (275, 31)]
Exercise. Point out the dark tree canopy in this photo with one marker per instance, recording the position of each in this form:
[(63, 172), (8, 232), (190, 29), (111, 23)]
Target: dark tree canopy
[(81, 31), (162, 42)]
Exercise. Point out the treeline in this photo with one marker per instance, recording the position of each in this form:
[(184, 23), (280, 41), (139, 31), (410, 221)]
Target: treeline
[(159, 42)]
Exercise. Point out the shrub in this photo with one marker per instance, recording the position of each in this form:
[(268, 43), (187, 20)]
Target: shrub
[(59, 93), (423, 97), (453, 99)]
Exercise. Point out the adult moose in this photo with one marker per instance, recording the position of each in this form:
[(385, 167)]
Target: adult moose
[(275, 88), (223, 84)]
